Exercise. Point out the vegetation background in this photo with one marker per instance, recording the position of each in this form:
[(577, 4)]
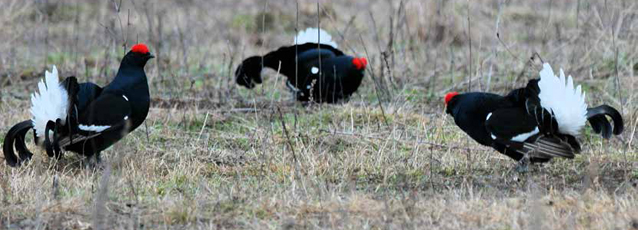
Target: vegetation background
[(215, 155)]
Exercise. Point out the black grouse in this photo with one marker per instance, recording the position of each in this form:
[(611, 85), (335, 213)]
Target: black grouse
[(535, 123), (84, 118), (323, 73)]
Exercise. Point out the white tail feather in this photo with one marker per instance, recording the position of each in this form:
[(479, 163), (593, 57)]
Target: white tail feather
[(560, 97), (313, 35), (49, 103)]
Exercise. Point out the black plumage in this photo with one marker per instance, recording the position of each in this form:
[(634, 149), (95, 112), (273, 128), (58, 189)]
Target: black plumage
[(517, 125), (322, 73), (96, 117)]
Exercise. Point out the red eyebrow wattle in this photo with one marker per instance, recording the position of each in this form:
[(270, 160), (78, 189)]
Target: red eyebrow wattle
[(140, 48)]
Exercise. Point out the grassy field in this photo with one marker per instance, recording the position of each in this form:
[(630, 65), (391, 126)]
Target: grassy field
[(214, 155)]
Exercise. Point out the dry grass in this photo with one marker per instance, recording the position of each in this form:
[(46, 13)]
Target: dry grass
[(217, 156)]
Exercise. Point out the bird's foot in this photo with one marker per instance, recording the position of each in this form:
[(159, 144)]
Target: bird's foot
[(523, 165), (93, 162)]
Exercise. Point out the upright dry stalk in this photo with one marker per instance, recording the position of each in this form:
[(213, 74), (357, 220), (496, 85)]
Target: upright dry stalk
[(495, 47), (101, 197), (45, 17), (76, 36), (118, 8), (320, 74), (379, 81), (469, 74), (376, 86), (469, 37), (296, 164), (389, 51), (296, 50), (620, 100), (549, 21), (159, 43), (577, 14), (4, 184)]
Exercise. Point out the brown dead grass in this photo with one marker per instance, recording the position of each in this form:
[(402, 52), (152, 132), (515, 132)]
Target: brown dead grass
[(217, 156)]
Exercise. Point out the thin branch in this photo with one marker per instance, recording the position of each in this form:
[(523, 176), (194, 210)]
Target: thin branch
[(469, 37)]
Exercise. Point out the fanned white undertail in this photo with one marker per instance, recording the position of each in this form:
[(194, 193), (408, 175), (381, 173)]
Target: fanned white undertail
[(49, 103), (313, 35), (566, 102)]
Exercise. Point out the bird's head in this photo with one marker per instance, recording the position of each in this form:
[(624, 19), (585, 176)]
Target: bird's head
[(359, 63), (448, 97), (248, 73), (139, 55)]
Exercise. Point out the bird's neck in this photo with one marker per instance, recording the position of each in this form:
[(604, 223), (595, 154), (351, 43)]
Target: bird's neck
[(272, 60), (128, 79)]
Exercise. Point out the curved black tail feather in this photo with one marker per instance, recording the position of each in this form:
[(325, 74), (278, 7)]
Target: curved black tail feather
[(52, 147), (597, 117), (15, 138)]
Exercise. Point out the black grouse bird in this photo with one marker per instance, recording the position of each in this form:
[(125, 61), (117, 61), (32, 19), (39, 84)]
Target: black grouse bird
[(322, 73), (535, 123), (84, 118)]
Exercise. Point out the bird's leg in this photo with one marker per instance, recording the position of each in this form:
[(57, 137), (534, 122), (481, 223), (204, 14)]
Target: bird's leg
[(93, 161), (69, 122), (57, 153), (47, 138), (294, 91), (98, 158), (523, 164)]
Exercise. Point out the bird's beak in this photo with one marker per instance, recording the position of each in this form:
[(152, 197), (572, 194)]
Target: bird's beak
[(150, 56)]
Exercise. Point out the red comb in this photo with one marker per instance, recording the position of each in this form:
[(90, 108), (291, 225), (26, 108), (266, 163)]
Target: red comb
[(449, 96), (140, 48), (360, 63)]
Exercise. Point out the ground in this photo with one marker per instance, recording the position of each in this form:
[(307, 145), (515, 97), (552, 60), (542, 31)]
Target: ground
[(214, 155)]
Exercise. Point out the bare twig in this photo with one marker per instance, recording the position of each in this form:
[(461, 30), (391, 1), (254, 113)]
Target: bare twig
[(372, 75), (494, 49), (469, 38)]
